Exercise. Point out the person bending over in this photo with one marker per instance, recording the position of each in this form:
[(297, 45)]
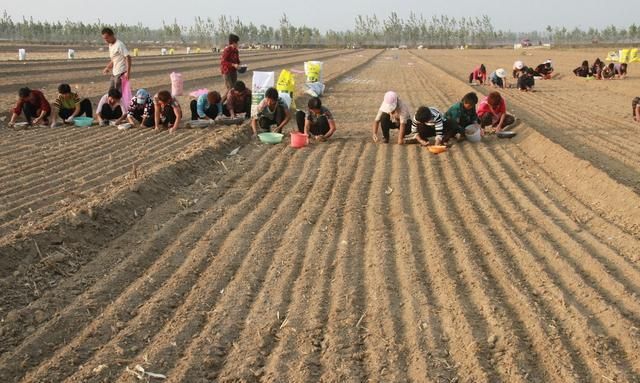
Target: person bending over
[(34, 105), (110, 108), (318, 123), (273, 114), (463, 113), (207, 106), (68, 106), (492, 111), (392, 114), (167, 111), (141, 111)]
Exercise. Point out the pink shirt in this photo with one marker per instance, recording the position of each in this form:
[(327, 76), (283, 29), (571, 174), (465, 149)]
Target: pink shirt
[(477, 75), (484, 108)]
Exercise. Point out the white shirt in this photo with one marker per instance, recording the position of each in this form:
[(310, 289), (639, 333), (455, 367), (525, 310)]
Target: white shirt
[(118, 53), (104, 100), (402, 113)]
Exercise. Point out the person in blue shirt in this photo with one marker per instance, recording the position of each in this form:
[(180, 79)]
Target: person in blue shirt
[(207, 107)]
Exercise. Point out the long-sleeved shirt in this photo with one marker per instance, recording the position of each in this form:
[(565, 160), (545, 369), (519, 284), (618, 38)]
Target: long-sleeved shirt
[(36, 99), (230, 56), (401, 115), (203, 104), (144, 110), (479, 75), (436, 121), (238, 101), (460, 116)]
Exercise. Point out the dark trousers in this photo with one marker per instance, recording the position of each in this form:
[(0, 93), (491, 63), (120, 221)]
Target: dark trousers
[(149, 122), (31, 111), (211, 112), (265, 123), (318, 128), (109, 113), (85, 109), (526, 82), (471, 78), (230, 80), (427, 131), (487, 120), (386, 124), (498, 82), (169, 115)]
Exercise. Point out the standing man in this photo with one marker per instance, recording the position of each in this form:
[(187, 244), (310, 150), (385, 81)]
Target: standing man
[(120, 64), (230, 62)]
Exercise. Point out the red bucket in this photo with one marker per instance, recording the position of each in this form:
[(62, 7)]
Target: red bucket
[(299, 140)]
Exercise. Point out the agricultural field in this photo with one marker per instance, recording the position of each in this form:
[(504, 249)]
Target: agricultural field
[(347, 261)]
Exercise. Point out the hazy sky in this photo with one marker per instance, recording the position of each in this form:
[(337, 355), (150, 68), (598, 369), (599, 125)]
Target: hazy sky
[(515, 15)]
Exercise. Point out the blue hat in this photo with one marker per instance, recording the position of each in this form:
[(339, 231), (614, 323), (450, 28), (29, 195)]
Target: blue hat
[(142, 96)]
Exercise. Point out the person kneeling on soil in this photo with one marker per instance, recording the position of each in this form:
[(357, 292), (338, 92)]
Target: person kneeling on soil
[(498, 78), (273, 113), (492, 111), (526, 81), (34, 105), (207, 106), (239, 100), (110, 108), (167, 111), (392, 114), (544, 70), (319, 123), (583, 70), (479, 75), (518, 66), (608, 72), (141, 110), (462, 114), (430, 123), (635, 104), (620, 70), (67, 106)]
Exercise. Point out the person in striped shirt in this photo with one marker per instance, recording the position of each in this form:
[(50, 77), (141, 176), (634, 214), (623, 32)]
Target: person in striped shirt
[(68, 105), (430, 122)]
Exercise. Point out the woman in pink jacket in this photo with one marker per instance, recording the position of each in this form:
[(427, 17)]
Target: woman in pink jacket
[(492, 111)]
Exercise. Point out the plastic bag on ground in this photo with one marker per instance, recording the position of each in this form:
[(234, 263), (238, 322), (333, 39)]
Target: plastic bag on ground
[(261, 82)]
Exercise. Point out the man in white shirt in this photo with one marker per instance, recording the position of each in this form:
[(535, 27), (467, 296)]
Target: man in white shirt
[(120, 64)]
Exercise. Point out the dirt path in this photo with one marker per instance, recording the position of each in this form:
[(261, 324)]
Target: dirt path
[(346, 261)]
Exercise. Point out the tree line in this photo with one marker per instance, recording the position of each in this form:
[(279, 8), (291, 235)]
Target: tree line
[(368, 31)]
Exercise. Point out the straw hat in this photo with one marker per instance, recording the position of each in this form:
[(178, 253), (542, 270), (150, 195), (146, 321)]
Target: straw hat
[(501, 73)]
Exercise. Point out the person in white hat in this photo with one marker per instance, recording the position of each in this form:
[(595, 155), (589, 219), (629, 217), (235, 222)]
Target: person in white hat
[(518, 66), (393, 114), (498, 78)]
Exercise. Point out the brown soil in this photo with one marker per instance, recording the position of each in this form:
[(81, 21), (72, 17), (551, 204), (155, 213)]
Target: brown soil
[(508, 260)]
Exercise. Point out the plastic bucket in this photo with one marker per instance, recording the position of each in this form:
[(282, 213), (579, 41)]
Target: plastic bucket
[(473, 133), (299, 140), (71, 54), (22, 54)]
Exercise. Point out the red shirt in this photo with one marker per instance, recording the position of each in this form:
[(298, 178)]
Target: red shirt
[(485, 108), (230, 55), (36, 99), (477, 75)]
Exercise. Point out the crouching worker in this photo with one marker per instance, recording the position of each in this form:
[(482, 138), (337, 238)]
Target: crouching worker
[(430, 123), (67, 106), (110, 108), (141, 111), (167, 111), (479, 75), (207, 106), (392, 114), (462, 114), (635, 104), (526, 81), (273, 114), (319, 123), (34, 105), (498, 78), (239, 100), (492, 111)]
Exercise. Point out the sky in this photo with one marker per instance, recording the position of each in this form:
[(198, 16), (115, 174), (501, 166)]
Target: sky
[(333, 14)]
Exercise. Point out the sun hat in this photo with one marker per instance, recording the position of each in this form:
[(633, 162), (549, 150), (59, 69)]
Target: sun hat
[(142, 96), (518, 65), (501, 73), (390, 102), (548, 61)]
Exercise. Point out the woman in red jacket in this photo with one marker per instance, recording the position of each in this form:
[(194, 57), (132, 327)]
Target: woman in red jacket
[(230, 62)]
